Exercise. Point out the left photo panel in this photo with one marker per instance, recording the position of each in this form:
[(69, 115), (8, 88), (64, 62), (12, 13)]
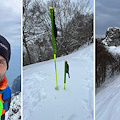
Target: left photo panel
[(10, 60)]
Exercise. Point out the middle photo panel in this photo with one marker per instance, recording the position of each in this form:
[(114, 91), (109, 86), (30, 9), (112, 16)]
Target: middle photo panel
[(58, 60)]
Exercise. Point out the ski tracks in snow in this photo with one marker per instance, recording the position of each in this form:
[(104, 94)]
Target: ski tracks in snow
[(73, 104), (88, 96), (107, 102), (87, 86), (34, 93)]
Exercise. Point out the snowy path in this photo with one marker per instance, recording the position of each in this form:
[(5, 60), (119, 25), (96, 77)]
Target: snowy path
[(107, 102), (42, 102)]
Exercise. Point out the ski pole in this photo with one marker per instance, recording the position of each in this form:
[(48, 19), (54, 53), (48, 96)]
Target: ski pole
[(53, 41), (65, 74)]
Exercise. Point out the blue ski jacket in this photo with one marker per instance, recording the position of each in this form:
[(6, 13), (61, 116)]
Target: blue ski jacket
[(5, 98)]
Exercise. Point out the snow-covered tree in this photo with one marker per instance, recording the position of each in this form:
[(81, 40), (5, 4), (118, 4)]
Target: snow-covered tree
[(37, 38)]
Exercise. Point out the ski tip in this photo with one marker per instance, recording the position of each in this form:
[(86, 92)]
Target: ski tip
[(51, 7)]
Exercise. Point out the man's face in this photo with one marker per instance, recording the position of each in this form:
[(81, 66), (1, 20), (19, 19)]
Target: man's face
[(3, 68)]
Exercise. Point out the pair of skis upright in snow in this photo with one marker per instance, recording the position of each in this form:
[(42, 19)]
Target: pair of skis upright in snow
[(54, 35)]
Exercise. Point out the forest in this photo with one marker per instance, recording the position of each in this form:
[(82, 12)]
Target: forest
[(74, 22)]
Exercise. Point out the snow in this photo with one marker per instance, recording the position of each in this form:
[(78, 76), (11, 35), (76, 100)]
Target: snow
[(112, 28), (114, 49), (107, 103), (15, 108), (41, 101), (104, 42)]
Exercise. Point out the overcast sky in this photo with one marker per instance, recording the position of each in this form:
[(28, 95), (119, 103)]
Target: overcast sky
[(10, 20), (10, 28), (107, 14)]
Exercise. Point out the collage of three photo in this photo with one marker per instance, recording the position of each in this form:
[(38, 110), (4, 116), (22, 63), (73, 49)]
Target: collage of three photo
[(60, 60)]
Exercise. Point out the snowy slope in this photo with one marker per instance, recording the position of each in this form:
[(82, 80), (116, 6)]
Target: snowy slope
[(15, 108), (107, 102), (42, 102), (114, 49)]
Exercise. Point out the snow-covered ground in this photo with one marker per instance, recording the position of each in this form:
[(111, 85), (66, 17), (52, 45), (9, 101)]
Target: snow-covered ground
[(15, 108), (114, 49), (107, 101), (41, 101)]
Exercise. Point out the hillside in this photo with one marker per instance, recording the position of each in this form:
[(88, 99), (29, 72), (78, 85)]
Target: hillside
[(42, 101), (107, 94), (15, 108), (16, 86), (107, 103)]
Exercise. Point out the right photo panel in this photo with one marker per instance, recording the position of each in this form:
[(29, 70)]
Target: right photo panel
[(107, 57)]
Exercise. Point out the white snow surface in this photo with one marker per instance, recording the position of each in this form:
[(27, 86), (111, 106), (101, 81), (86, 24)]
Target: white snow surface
[(104, 42), (107, 101), (15, 108), (114, 49), (112, 28), (41, 101)]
